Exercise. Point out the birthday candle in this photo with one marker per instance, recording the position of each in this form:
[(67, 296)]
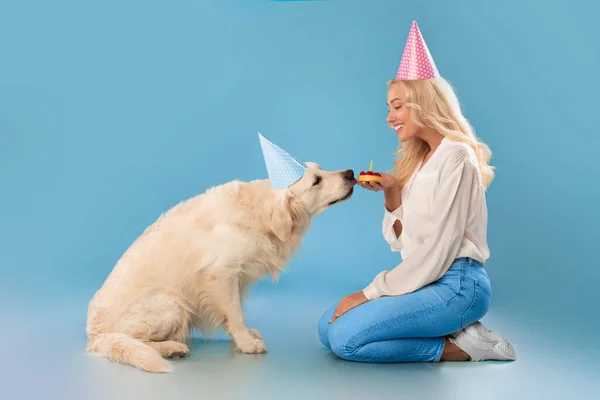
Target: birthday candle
[(371, 166)]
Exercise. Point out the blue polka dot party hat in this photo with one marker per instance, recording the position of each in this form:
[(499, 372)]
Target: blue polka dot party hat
[(283, 169)]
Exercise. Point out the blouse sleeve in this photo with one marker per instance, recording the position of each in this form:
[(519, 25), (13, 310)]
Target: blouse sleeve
[(389, 218), (437, 252)]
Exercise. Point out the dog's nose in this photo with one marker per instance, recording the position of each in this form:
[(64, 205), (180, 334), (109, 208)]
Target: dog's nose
[(349, 174)]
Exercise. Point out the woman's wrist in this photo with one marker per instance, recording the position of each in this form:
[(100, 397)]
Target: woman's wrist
[(392, 198)]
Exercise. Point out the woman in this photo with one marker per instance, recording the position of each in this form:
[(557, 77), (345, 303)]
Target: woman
[(428, 307)]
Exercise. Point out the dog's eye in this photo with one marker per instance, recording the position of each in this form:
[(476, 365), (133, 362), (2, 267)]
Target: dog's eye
[(317, 180)]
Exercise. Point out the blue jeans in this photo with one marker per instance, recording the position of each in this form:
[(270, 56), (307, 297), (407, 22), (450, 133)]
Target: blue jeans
[(411, 327)]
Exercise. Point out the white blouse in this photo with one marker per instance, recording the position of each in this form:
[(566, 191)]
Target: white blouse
[(444, 217)]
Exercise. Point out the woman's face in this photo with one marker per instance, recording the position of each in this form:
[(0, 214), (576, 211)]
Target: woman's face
[(399, 115)]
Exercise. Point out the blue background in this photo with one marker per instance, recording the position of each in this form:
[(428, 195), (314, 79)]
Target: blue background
[(111, 113)]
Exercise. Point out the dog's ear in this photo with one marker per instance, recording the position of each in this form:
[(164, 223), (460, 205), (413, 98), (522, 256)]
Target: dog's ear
[(282, 220), (287, 215)]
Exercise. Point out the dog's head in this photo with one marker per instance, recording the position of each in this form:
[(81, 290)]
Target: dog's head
[(319, 189), (316, 191)]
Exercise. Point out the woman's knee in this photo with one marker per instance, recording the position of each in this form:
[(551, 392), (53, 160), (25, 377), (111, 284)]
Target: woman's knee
[(324, 326), (344, 349), (345, 341), (338, 336)]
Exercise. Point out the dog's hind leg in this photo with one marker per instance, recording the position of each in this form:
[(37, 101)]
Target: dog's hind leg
[(230, 304), (161, 323), (170, 348)]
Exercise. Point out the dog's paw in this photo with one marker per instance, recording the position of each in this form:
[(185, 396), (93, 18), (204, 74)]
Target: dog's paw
[(255, 334), (254, 346), (176, 350)]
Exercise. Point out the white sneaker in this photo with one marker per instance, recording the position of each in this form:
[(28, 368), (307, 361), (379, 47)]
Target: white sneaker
[(481, 343)]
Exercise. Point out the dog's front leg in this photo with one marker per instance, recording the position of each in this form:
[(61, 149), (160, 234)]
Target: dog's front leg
[(246, 340)]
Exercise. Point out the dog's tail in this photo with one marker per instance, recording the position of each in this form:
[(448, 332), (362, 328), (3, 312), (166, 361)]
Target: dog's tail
[(124, 349)]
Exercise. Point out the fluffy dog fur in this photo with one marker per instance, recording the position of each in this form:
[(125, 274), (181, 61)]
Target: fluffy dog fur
[(190, 269)]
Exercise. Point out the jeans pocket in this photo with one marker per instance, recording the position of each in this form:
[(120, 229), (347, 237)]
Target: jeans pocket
[(479, 305)]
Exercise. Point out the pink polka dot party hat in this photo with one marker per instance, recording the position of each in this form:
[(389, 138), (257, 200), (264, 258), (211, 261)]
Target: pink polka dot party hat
[(416, 62)]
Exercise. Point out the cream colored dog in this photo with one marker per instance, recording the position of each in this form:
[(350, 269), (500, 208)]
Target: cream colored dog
[(190, 269)]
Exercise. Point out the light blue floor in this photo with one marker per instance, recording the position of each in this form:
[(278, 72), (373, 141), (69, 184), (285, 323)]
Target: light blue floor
[(44, 359)]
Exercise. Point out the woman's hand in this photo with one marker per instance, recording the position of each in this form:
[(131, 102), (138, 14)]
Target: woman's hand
[(348, 303), (387, 181)]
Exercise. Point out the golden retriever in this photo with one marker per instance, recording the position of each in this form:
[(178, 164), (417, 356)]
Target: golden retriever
[(190, 269)]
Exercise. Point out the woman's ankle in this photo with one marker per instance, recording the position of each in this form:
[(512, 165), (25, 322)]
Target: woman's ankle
[(453, 353)]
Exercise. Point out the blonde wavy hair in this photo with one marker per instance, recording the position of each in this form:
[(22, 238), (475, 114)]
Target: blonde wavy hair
[(434, 104)]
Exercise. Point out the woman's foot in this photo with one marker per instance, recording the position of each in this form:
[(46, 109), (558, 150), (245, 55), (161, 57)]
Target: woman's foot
[(480, 343), (453, 353)]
